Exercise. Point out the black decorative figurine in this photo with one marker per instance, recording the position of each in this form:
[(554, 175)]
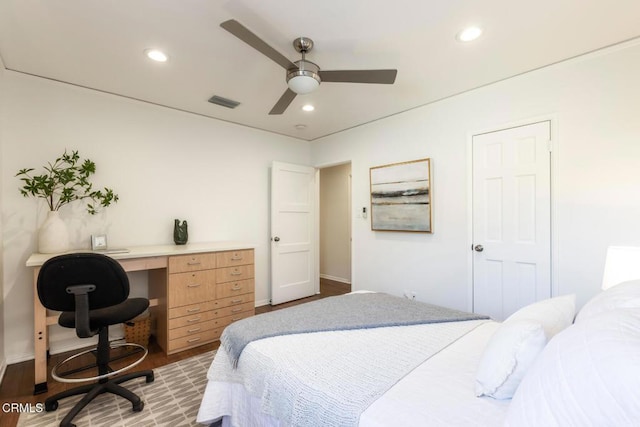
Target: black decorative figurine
[(180, 233)]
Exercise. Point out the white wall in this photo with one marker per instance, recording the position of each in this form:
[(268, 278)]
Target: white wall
[(335, 222), (164, 164), (595, 103)]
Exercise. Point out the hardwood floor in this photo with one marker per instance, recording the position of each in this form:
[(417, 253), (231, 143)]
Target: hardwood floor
[(328, 288), (17, 384)]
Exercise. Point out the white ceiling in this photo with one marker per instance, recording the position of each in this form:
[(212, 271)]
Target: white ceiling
[(99, 44)]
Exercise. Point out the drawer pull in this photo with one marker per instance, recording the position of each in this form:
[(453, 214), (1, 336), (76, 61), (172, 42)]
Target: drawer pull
[(236, 301), (236, 258), (193, 340), (194, 319), (193, 330), (236, 273), (193, 310), (193, 285), (194, 263), (236, 287), (236, 310)]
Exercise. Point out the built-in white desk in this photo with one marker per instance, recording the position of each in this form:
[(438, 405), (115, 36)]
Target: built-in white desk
[(224, 269)]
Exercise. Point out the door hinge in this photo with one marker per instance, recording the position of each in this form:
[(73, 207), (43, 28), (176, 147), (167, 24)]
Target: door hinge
[(550, 146)]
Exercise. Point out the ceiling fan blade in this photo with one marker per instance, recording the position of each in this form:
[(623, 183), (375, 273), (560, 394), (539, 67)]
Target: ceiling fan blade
[(359, 76), (283, 102), (244, 34)]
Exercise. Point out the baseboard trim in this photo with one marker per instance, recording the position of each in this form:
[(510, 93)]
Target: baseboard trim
[(262, 302), (335, 279), (19, 358)]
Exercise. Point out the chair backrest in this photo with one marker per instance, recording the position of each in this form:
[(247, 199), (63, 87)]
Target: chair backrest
[(58, 273)]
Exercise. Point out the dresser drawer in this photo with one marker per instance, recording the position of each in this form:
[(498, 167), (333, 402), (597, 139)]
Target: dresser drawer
[(193, 340), (191, 288), (235, 310), (223, 322), (232, 258), (230, 274), (235, 300), (191, 330), (192, 309), (193, 262), (237, 287), (194, 319)]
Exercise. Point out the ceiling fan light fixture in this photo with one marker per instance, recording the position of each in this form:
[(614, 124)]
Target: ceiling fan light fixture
[(304, 78), (303, 81)]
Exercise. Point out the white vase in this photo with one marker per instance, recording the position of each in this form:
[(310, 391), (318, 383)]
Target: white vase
[(53, 236)]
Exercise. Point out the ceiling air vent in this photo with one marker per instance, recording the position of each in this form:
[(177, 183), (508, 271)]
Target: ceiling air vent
[(218, 100)]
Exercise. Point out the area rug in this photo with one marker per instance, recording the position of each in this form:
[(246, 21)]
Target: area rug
[(171, 400)]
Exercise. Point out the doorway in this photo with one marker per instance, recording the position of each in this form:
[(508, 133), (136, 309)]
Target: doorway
[(335, 227), (511, 222)]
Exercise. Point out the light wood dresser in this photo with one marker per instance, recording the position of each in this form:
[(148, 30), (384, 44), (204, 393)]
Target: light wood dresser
[(199, 295)]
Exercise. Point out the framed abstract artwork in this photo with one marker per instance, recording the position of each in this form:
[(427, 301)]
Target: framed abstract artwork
[(401, 196)]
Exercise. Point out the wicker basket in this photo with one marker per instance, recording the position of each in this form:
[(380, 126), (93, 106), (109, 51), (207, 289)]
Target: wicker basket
[(138, 330)]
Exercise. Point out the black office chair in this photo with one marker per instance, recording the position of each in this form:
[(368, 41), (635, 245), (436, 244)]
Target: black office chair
[(92, 292)]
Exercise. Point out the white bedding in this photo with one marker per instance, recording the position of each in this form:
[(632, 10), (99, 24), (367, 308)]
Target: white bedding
[(440, 391)]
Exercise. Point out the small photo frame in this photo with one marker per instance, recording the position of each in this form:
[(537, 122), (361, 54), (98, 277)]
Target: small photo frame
[(99, 242)]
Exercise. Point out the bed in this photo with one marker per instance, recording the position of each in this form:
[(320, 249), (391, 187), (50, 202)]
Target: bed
[(455, 373)]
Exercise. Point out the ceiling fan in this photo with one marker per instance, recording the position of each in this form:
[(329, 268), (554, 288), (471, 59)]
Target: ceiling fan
[(304, 76)]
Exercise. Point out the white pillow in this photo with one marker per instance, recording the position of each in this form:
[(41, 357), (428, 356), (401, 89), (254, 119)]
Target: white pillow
[(554, 314), (518, 341), (623, 295), (586, 376), (507, 357)]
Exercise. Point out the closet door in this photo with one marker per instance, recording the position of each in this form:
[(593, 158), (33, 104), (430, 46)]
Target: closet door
[(511, 219)]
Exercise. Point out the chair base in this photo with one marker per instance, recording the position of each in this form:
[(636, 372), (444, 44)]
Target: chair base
[(94, 390)]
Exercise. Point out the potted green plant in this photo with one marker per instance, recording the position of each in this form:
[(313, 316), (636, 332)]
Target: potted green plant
[(63, 181)]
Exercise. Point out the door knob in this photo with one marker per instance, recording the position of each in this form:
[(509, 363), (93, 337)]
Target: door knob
[(478, 248), (276, 239)]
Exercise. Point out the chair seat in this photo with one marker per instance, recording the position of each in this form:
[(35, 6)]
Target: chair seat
[(113, 315)]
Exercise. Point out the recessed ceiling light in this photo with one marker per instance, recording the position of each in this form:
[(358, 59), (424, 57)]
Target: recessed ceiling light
[(301, 127), (156, 55), (308, 107), (469, 34)]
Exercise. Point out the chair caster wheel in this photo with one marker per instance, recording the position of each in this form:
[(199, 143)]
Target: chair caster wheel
[(150, 378), (50, 406), (137, 407)]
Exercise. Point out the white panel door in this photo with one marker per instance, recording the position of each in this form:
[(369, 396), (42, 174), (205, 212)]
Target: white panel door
[(293, 233), (511, 219)]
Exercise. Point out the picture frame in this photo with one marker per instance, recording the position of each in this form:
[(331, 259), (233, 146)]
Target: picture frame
[(99, 242), (401, 196)]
